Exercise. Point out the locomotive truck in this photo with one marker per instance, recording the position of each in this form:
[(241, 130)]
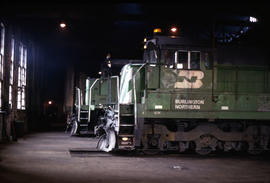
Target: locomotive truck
[(180, 98)]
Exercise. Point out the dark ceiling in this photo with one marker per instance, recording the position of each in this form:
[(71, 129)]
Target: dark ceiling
[(94, 29)]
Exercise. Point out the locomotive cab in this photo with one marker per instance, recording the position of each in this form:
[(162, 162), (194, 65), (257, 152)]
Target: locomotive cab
[(177, 53)]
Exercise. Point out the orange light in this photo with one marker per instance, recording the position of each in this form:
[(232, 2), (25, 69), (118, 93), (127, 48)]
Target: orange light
[(157, 30), (174, 29), (49, 102)]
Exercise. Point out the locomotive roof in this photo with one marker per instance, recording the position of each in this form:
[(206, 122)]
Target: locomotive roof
[(180, 42)]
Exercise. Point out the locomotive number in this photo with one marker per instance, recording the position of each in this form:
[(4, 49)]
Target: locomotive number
[(187, 82)]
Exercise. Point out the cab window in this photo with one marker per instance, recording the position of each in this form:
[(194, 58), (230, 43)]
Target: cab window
[(195, 60), (182, 60), (151, 54), (187, 59)]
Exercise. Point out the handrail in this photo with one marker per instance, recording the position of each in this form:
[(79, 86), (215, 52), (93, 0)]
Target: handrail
[(118, 104), (135, 98), (79, 102), (117, 80), (90, 99)]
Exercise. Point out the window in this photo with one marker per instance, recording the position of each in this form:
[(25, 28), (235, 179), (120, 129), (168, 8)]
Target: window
[(2, 46), (167, 56), (195, 60), (22, 77), (187, 59), (208, 57), (151, 53), (12, 48), (181, 59)]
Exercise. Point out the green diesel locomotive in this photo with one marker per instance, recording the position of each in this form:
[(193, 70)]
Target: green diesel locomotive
[(179, 98)]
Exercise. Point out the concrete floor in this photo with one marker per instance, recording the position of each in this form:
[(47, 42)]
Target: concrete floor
[(45, 157)]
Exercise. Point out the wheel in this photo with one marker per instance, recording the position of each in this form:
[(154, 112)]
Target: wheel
[(255, 151), (101, 142), (204, 151), (151, 151), (107, 141), (74, 128), (206, 144)]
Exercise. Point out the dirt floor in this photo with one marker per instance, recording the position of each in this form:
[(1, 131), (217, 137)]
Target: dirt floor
[(56, 157)]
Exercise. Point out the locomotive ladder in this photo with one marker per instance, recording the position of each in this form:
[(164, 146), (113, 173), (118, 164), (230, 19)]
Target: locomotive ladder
[(128, 120), (82, 114), (126, 127)]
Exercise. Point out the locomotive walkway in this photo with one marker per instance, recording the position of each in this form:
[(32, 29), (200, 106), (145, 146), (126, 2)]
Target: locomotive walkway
[(55, 157)]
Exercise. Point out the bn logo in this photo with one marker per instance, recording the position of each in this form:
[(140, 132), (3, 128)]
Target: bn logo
[(189, 79)]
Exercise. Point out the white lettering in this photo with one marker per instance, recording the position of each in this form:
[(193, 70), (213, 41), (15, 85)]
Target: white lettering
[(183, 101), (183, 104), (191, 107)]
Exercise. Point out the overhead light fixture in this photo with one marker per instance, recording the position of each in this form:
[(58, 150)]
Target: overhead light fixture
[(63, 25), (109, 65), (253, 19)]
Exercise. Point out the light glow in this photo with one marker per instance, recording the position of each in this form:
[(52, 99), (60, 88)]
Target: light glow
[(63, 25), (253, 19), (174, 29), (49, 102), (124, 138), (157, 30)]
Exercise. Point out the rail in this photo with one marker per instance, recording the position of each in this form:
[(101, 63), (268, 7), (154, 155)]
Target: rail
[(79, 102), (118, 105), (90, 99), (135, 97)]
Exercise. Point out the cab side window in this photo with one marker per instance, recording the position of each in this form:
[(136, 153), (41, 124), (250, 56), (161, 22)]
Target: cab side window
[(195, 60), (187, 60), (167, 57), (208, 60), (182, 60), (151, 53)]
